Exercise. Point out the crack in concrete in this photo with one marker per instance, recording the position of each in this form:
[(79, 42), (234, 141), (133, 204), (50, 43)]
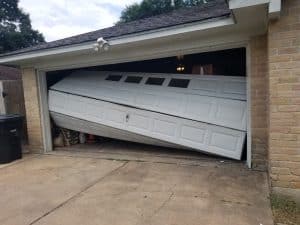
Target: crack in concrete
[(163, 204), (235, 202), (158, 209), (72, 198)]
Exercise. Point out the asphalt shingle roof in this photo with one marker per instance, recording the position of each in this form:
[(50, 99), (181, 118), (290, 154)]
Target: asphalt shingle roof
[(212, 10)]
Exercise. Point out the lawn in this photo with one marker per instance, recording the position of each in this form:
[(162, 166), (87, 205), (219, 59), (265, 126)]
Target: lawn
[(285, 211)]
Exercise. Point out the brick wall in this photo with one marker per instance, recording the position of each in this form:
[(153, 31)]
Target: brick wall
[(32, 109), (284, 97), (259, 98)]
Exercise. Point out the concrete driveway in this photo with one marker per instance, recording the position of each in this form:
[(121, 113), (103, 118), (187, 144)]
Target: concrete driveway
[(129, 187)]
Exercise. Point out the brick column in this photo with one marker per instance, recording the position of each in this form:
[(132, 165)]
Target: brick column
[(259, 99), (32, 109), (284, 98)]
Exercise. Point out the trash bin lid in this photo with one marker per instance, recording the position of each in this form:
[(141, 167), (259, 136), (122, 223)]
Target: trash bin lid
[(9, 117)]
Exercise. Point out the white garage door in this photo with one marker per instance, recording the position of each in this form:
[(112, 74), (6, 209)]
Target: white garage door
[(206, 113)]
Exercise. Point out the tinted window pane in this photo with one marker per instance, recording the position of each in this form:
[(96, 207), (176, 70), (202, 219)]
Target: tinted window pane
[(133, 79), (113, 77), (155, 81), (180, 83)]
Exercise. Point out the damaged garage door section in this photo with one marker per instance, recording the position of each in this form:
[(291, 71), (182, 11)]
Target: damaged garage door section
[(218, 100), (203, 113)]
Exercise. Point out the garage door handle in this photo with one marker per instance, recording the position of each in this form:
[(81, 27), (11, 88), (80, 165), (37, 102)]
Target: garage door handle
[(127, 117)]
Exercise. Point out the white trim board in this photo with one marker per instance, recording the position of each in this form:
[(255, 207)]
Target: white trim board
[(236, 4), (249, 113), (274, 9)]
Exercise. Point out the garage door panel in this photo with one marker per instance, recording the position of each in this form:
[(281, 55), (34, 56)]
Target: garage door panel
[(164, 127), (223, 112), (203, 100), (193, 134), (234, 88), (220, 86), (139, 121), (207, 86), (145, 100), (170, 104), (199, 107), (231, 112), (223, 140), (95, 112), (175, 130), (119, 95), (115, 116), (104, 131)]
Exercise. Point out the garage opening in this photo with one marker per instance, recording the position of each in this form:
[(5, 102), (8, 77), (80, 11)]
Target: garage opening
[(194, 102)]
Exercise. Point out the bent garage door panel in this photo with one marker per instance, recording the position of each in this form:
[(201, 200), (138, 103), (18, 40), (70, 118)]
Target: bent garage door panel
[(85, 126), (217, 100), (180, 131)]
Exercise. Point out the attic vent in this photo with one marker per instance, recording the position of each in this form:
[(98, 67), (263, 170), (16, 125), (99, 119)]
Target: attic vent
[(155, 81), (133, 79), (180, 83), (113, 77)]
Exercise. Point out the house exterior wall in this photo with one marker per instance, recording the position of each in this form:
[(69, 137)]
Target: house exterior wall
[(33, 116), (13, 101), (284, 99), (259, 101), (275, 101)]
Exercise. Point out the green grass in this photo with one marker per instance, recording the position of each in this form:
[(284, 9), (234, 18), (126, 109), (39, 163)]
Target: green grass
[(285, 211)]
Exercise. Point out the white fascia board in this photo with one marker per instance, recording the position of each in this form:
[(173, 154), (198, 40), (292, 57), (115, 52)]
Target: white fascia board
[(274, 9), (160, 33), (236, 4), (47, 52)]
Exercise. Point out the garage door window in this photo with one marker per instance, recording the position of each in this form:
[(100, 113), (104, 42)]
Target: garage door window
[(113, 77), (155, 81), (180, 83), (133, 79)]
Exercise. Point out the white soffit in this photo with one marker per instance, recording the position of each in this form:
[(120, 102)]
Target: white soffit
[(274, 6)]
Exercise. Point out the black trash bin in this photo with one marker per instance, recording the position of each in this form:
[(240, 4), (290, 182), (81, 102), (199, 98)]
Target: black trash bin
[(10, 138)]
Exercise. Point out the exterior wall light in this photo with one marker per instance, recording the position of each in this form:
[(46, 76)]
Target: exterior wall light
[(180, 68), (101, 44)]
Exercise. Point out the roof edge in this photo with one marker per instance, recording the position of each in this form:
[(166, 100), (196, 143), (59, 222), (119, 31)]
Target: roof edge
[(125, 39)]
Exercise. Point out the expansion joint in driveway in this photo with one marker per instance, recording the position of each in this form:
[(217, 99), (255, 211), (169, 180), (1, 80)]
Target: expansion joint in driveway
[(79, 193)]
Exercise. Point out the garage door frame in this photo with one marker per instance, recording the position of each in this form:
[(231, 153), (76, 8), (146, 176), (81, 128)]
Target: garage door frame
[(43, 92)]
